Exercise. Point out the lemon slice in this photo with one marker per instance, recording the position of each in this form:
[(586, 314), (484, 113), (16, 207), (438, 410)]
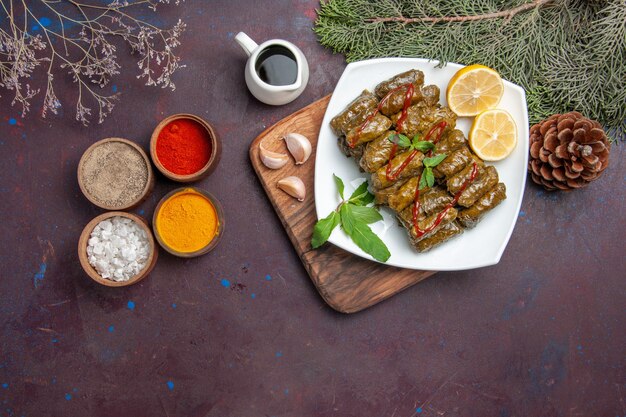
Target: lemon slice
[(493, 135), (474, 89)]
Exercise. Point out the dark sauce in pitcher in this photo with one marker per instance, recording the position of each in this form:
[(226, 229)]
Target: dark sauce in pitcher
[(276, 65)]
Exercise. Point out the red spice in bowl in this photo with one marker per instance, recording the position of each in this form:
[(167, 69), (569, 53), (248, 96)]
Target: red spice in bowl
[(184, 147)]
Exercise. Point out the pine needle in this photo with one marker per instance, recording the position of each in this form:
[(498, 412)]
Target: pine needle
[(567, 54)]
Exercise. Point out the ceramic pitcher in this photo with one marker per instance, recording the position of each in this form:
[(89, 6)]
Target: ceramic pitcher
[(266, 89)]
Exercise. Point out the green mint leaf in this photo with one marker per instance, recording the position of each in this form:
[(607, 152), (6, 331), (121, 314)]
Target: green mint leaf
[(360, 190), (364, 199), (400, 140), (366, 215), (361, 196), (362, 235), (430, 178), (323, 228), (423, 146), (423, 182), (339, 184), (433, 161), (347, 219)]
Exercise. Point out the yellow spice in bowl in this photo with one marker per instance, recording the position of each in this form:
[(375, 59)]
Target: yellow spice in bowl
[(187, 221)]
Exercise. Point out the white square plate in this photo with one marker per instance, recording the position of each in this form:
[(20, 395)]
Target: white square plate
[(475, 248)]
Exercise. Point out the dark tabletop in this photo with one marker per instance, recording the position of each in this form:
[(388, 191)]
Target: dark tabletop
[(540, 334)]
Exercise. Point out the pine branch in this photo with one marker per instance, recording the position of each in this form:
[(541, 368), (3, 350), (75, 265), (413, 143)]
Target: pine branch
[(567, 54), (506, 14)]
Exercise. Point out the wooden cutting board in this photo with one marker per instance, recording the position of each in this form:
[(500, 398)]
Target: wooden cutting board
[(347, 282)]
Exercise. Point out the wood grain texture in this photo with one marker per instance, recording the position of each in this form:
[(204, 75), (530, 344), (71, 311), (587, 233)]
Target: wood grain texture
[(347, 282)]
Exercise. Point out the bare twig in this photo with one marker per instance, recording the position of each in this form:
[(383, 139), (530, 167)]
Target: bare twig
[(88, 55)]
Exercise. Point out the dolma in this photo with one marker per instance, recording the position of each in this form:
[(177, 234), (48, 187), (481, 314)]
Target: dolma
[(355, 152), (430, 95), (435, 200), (427, 222), (455, 182), (420, 119), (432, 200), (414, 167), (445, 233), (470, 217), (375, 127), (411, 76), (454, 162), (404, 196), (382, 196), (422, 97), (355, 114), (451, 140), (483, 183), (377, 152)]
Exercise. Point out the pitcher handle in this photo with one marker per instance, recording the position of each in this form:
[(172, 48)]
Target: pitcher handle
[(246, 43)]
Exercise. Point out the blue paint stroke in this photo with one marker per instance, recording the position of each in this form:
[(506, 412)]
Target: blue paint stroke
[(12, 121), (35, 28), (286, 391), (111, 328), (170, 385), (45, 22), (141, 212), (130, 305), (253, 295), (5, 385), (68, 396), (551, 367), (279, 354), (39, 276), (526, 294), (173, 305), (418, 410), (55, 340), (114, 88), (522, 213), (225, 283), (268, 277)]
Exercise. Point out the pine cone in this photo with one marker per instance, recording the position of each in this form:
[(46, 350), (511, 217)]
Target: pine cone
[(567, 151)]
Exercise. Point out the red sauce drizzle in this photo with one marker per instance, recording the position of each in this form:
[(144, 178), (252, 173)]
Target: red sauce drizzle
[(407, 102), (392, 176), (419, 232)]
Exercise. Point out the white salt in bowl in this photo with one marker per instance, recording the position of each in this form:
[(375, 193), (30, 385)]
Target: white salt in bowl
[(91, 271)]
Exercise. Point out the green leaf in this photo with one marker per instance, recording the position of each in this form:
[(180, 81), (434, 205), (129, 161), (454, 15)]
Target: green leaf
[(362, 235), (423, 183), (430, 178), (323, 228), (361, 196), (366, 215), (433, 161), (347, 220), (400, 140), (360, 190), (364, 199), (339, 184), (423, 145)]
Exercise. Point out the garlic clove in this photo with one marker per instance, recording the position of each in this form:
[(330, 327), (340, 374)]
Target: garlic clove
[(299, 147), (272, 160), (293, 186)]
